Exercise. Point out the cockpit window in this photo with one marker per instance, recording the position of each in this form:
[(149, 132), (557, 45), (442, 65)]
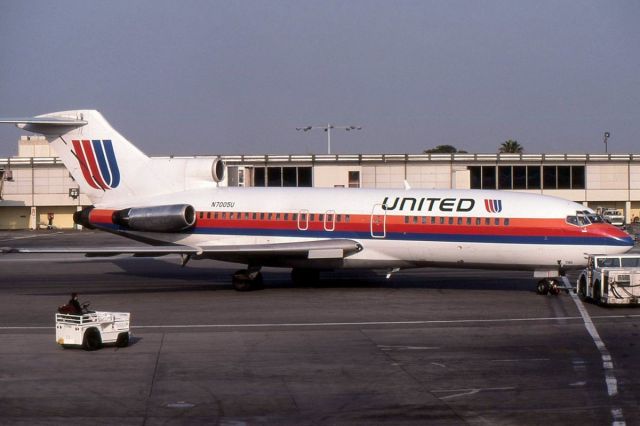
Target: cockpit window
[(572, 220), (593, 217), (580, 219)]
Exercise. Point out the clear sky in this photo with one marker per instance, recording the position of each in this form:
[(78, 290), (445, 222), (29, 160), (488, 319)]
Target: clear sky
[(231, 77)]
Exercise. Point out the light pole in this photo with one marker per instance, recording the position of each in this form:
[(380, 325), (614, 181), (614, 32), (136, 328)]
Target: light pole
[(327, 129), (606, 140)]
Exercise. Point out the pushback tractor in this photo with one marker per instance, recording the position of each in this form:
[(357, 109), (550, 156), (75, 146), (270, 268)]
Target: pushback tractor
[(611, 280)]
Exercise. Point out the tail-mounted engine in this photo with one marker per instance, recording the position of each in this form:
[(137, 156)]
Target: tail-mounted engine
[(169, 218)]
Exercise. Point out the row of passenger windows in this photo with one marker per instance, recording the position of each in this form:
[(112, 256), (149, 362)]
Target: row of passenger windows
[(441, 220), (304, 217), (311, 217)]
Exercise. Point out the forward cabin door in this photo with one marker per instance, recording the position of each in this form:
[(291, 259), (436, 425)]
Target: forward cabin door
[(303, 220), (378, 221)]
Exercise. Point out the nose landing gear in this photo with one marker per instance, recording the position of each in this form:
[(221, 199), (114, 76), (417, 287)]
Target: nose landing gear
[(548, 286)]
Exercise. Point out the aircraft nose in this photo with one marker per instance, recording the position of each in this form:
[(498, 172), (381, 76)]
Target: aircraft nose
[(618, 237)]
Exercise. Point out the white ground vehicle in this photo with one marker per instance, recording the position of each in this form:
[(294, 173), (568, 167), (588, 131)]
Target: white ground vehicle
[(93, 329), (611, 280), (613, 216)]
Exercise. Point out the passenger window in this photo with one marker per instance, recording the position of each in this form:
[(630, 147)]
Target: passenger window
[(208, 215), (320, 218), (450, 221), (506, 221), (277, 216), (231, 215), (424, 220), (468, 221), (347, 218), (415, 219), (442, 220), (270, 216), (406, 219), (246, 216), (201, 215), (339, 218), (459, 221), (478, 221), (312, 217), (261, 216), (286, 216), (487, 221), (215, 215), (496, 221), (294, 216), (255, 215), (224, 215), (433, 220)]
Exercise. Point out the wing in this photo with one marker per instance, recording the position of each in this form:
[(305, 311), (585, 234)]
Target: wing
[(261, 254)]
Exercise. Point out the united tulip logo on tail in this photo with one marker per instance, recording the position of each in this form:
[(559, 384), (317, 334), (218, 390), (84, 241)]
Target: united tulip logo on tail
[(98, 163), (493, 206)]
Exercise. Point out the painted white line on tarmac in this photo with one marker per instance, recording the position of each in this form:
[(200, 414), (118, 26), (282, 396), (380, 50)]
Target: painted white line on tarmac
[(470, 391), (607, 363), (31, 236), (342, 324)]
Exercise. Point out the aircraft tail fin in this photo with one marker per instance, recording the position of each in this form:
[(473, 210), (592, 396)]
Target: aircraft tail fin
[(107, 167)]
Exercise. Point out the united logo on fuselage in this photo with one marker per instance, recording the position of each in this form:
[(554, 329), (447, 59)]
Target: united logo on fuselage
[(98, 163), (493, 206)]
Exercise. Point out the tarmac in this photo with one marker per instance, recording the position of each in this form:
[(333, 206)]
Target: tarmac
[(428, 346)]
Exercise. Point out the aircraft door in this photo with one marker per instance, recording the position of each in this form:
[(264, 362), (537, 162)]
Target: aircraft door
[(303, 220), (378, 221), (330, 220)]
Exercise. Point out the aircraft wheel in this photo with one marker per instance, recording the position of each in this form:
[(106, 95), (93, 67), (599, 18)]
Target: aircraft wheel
[(243, 280), (305, 277), (542, 287)]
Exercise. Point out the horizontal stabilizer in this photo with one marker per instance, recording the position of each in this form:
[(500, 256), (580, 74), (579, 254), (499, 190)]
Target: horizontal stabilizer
[(45, 125)]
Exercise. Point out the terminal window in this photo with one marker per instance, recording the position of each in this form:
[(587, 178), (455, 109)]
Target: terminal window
[(527, 177), (354, 179), (276, 176)]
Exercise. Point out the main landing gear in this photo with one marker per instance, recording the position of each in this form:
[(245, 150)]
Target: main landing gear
[(247, 279), (548, 286)]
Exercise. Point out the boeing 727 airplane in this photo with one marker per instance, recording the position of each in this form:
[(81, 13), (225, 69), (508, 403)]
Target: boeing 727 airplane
[(178, 206)]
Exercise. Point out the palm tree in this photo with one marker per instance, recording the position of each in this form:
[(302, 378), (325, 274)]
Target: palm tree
[(511, 146)]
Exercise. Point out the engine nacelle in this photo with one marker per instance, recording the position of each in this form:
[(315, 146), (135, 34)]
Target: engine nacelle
[(170, 218)]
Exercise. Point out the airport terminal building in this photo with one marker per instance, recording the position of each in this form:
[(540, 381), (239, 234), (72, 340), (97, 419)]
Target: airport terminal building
[(36, 190)]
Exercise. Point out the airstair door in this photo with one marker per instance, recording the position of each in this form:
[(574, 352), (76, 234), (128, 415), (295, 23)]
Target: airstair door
[(378, 221)]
